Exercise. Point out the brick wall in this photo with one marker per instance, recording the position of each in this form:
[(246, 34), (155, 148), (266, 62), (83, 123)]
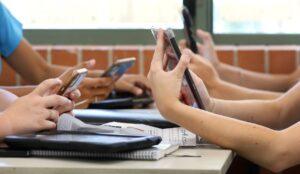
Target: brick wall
[(267, 59)]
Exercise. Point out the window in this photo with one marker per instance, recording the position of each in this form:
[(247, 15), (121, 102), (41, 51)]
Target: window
[(256, 17), (96, 14)]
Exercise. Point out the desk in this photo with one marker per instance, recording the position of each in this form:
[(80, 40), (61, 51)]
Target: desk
[(212, 161)]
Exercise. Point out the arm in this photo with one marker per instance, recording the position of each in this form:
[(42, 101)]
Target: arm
[(256, 80), (274, 150), (31, 66), (241, 76), (19, 90), (220, 89)]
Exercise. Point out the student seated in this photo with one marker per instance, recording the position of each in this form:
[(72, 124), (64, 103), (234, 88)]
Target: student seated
[(34, 112), (33, 68), (242, 77), (263, 131)]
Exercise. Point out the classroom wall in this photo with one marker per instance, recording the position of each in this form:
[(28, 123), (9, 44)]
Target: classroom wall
[(267, 59)]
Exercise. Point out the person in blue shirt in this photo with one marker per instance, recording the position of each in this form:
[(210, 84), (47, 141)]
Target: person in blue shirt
[(34, 111), (19, 54)]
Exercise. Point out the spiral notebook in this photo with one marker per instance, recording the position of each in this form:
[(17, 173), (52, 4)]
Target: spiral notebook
[(154, 153)]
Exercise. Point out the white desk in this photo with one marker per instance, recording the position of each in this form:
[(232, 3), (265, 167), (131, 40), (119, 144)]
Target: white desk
[(212, 161)]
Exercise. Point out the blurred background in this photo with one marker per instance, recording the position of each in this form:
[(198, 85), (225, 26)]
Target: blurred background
[(259, 35)]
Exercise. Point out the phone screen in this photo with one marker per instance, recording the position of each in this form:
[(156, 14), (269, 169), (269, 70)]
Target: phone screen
[(118, 69)]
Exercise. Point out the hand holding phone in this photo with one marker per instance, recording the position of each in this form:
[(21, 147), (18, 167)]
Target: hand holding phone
[(189, 90), (71, 80), (118, 68)]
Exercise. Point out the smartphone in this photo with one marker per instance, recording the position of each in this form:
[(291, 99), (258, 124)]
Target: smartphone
[(118, 68), (188, 30), (71, 80), (190, 95)]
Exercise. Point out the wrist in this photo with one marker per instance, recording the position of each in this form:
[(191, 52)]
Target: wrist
[(167, 106)]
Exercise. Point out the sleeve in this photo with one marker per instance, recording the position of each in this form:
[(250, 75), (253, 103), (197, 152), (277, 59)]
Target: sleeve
[(11, 32)]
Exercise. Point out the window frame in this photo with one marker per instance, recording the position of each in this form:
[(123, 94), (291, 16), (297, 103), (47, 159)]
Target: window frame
[(203, 19), (205, 7)]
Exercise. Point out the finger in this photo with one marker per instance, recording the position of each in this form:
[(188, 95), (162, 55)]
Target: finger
[(201, 48), (156, 63), (65, 108), (182, 65), (132, 89), (48, 125), (97, 82), (205, 36), (182, 44), (53, 101), (46, 86), (142, 80), (53, 115), (74, 95), (86, 64)]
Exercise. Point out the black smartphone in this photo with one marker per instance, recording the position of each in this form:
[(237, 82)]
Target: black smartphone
[(188, 30), (118, 68), (189, 90)]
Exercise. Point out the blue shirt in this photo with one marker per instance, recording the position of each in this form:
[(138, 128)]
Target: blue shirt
[(10, 32)]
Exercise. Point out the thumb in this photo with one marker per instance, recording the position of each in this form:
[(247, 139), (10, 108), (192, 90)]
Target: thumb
[(86, 64), (205, 36), (182, 44), (182, 65), (46, 86)]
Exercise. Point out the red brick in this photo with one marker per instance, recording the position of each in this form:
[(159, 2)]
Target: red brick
[(252, 59), (8, 75), (100, 54), (66, 56), (148, 55), (282, 61), (125, 52), (226, 56)]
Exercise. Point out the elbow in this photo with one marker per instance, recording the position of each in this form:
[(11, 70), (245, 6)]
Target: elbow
[(280, 109), (280, 155), (279, 163)]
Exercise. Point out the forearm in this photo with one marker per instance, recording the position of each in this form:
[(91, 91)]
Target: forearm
[(262, 112), (252, 141), (19, 90), (279, 113), (224, 90), (254, 80)]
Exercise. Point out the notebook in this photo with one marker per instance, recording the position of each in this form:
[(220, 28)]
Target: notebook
[(100, 116), (177, 136), (123, 101), (154, 153)]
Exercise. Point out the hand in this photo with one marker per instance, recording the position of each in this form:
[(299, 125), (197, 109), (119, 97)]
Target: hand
[(208, 102), (33, 112), (92, 88), (207, 49), (135, 84), (166, 86), (203, 69)]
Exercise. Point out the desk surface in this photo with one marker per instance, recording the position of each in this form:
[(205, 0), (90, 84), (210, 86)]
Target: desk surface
[(212, 161)]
